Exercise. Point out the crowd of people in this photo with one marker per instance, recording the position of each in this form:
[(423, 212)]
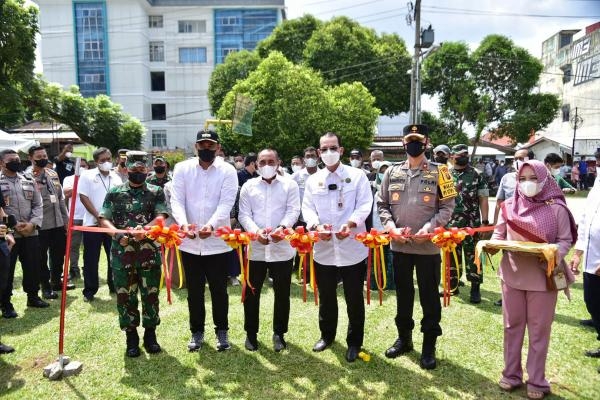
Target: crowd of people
[(409, 200)]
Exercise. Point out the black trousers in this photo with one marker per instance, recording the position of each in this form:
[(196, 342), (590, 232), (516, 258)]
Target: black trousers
[(281, 272), (26, 249), (428, 279), (591, 296), (52, 241), (327, 282), (4, 266), (92, 244), (199, 270)]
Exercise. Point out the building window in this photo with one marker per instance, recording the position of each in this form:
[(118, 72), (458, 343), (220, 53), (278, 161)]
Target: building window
[(155, 21), (566, 111), (157, 51), (192, 55), (241, 29), (567, 71), (157, 81), (90, 34), (159, 138), (196, 26), (159, 112)]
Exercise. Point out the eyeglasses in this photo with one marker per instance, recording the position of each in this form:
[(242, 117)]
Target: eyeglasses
[(330, 148)]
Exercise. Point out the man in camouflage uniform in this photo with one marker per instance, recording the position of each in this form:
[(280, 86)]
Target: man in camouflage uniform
[(471, 209), (136, 260), (160, 176)]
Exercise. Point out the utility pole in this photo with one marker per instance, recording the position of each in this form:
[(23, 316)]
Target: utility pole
[(576, 122), (414, 114)]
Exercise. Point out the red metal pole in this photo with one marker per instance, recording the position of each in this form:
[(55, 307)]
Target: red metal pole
[(63, 299)]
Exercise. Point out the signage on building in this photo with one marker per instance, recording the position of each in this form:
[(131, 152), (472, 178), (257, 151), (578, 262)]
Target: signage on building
[(587, 70), (581, 48)]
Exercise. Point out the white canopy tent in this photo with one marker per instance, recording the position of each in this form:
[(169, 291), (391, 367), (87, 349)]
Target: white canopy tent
[(8, 141)]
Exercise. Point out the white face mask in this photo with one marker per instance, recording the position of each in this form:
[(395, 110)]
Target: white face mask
[(239, 165), (355, 163), (519, 163), (555, 171), (376, 164), (68, 154), (530, 188), (330, 158), (310, 162), (105, 166), (296, 168), (268, 171)]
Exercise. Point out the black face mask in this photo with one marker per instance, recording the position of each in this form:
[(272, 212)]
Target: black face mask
[(41, 163), (136, 178), (414, 148), (159, 170), (441, 160), (461, 161), (14, 166), (207, 155)]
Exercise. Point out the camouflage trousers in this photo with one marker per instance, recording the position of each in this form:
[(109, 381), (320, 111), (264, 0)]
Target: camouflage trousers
[(136, 267), (468, 248)]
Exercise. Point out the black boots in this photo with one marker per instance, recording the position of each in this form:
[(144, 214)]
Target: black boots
[(133, 343), (150, 343), (402, 345), (475, 297), (428, 360)]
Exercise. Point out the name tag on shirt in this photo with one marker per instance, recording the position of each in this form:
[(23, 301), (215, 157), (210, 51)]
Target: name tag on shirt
[(52, 198)]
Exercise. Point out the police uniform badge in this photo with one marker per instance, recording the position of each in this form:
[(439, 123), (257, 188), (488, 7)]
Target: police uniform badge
[(446, 183)]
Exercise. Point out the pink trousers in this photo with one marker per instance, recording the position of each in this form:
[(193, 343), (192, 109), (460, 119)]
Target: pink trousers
[(534, 310)]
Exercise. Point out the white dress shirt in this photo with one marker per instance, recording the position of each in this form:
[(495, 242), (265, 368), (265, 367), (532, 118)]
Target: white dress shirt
[(300, 177), (264, 205), (588, 235), (350, 201), (68, 183), (94, 186), (203, 197)]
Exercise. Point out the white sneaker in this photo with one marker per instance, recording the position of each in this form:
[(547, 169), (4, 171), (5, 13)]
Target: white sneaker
[(234, 281)]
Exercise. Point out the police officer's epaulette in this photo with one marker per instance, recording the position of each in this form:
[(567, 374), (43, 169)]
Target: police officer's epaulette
[(27, 175), (51, 173)]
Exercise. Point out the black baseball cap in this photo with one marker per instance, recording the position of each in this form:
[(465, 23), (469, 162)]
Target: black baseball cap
[(207, 135)]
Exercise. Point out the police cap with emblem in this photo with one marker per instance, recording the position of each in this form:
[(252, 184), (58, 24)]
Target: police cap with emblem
[(136, 159), (211, 136), (415, 132), (460, 148)]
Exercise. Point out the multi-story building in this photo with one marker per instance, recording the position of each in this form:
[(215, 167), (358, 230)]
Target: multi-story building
[(154, 57), (572, 71)]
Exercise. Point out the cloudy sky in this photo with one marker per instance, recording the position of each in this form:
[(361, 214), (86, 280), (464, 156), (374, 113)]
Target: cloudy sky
[(527, 22)]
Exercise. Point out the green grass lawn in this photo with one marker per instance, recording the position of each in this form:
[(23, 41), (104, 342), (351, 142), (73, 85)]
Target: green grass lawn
[(469, 354)]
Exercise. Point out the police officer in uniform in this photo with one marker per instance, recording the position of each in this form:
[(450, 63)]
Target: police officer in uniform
[(23, 201), (6, 242), (417, 194), (471, 209), (160, 176), (52, 234), (136, 260), (120, 167)]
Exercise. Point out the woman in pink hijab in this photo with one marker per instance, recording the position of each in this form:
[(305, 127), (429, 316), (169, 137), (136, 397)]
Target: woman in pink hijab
[(536, 213)]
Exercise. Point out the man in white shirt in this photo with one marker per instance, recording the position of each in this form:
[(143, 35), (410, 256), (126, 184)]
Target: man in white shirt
[(310, 167), (93, 186), (76, 236), (203, 193), (588, 248), (269, 202), (337, 200)]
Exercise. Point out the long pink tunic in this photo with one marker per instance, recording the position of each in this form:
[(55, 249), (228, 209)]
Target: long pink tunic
[(527, 303)]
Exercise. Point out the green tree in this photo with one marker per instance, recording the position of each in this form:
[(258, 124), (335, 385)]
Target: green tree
[(491, 88), (237, 66), (443, 132), (290, 38), (344, 51), (96, 120), (18, 27), (294, 108)]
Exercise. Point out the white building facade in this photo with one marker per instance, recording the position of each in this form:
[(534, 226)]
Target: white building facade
[(154, 57), (572, 71)]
